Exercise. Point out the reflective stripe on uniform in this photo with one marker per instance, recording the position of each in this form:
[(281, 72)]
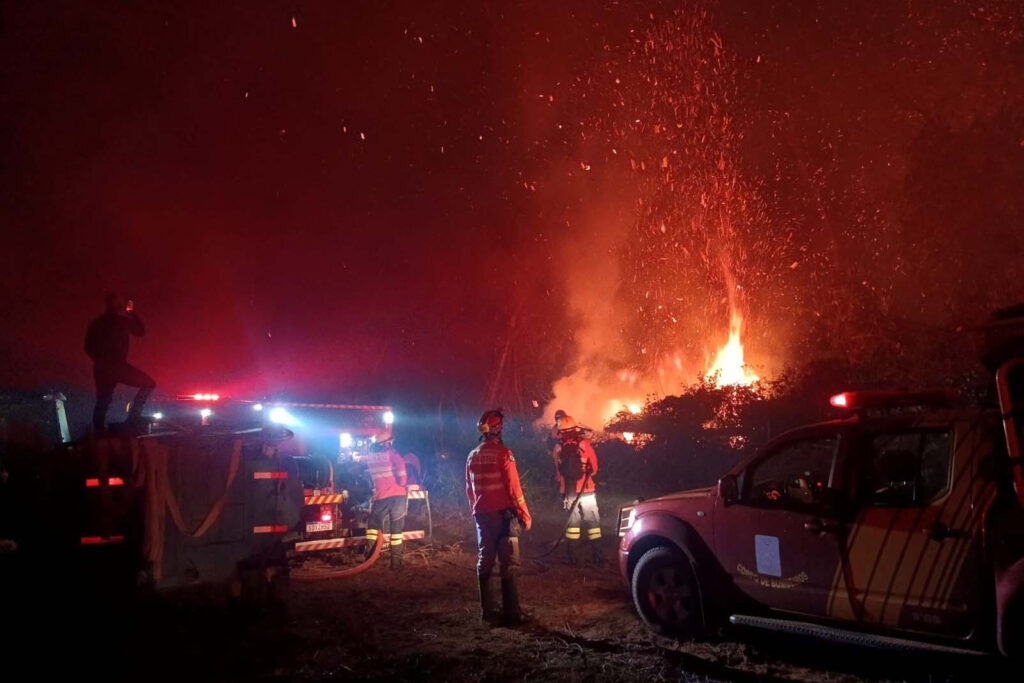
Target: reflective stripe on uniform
[(594, 533), (396, 539), (572, 533)]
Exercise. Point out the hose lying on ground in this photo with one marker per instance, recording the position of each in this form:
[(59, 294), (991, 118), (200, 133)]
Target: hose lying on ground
[(307, 576)]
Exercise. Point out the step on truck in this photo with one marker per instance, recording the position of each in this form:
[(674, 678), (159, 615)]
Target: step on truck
[(899, 526)]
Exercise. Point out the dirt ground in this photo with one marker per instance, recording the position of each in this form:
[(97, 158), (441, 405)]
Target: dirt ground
[(421, 624)]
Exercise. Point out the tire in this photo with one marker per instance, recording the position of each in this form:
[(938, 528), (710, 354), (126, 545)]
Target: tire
[(666, 594), (1010, 611)]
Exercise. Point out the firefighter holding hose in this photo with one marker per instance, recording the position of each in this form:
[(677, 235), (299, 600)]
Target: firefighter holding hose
[(499, 508), (575, 469)]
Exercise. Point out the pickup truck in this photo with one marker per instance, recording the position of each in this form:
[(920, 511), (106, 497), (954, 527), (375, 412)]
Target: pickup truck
[(900, 526)]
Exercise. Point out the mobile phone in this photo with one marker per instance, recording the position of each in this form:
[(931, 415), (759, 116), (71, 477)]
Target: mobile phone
[(130, 306)]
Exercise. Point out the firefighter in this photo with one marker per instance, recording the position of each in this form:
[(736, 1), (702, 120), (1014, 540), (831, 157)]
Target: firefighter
[(390, 501), (575, 469), (499, 508), (106, 343)]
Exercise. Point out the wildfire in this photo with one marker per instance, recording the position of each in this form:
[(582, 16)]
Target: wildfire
[(729, 368)]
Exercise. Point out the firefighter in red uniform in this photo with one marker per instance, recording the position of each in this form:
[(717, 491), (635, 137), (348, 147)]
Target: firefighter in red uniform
[(390, 502), (575, 469), (499, 508)]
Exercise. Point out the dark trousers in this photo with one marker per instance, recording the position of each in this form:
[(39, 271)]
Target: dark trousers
[(108, 376), (497, 536), (387, 516)]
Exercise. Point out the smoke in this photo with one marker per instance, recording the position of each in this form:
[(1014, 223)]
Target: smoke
[(668, 265)]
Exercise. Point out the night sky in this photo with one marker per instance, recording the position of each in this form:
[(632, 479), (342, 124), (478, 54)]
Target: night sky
[(380, 200)]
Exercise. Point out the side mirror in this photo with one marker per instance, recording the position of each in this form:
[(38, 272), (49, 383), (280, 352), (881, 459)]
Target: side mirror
[(728, 489)]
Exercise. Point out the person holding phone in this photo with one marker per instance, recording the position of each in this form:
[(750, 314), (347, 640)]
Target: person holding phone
[(106, 342)]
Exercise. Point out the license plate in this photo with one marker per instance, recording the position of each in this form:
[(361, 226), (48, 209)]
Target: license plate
[(318, 526)]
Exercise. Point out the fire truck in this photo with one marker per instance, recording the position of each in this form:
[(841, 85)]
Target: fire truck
[(214, 490), (898, 526)]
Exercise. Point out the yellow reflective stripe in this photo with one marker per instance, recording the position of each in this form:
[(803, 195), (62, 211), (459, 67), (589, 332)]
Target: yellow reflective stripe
[(521, 499), (573, 528), (594, 533), (396, 541), (371, 534)]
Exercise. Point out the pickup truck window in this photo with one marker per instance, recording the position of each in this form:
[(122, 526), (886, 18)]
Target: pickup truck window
[(795, 475), (906, 468)]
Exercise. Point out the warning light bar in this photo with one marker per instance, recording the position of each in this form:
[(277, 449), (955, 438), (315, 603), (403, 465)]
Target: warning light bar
[(880, 400), (205, 397)]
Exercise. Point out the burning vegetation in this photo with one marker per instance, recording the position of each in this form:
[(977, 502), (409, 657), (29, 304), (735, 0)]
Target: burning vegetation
[(741, 234)]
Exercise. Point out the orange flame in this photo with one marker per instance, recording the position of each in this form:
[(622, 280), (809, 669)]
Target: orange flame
[(729, 368)]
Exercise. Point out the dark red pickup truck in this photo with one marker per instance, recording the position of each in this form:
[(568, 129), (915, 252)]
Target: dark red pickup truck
[(901, 526)]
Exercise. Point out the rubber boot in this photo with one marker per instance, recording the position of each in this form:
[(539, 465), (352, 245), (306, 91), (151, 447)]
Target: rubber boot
[(371, 538), (572, 554), (397, 561), (489, 612), (512, 611)]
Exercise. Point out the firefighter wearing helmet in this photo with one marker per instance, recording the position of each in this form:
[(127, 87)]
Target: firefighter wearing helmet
[(575, 469), (390, 502), (499, 508)]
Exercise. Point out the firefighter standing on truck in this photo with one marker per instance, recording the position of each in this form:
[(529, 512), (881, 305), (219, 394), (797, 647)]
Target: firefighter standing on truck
[(499, 508), (575, 469), (106, 343), (390, 501)]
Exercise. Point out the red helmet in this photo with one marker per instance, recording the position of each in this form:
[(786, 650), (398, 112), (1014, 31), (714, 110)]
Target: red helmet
[(567, 424), (491, 422)]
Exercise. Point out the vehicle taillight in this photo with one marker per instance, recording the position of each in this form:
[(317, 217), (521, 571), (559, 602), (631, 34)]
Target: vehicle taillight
[(325, 514), (840, 400)]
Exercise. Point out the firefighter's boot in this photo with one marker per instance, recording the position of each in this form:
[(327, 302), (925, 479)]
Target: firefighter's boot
[(512, 612), (572, 552), (397, 561), (489, 612), (596, 556)]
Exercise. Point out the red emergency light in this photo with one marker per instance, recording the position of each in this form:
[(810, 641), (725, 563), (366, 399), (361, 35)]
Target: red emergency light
[(879, 400), (205, 397)]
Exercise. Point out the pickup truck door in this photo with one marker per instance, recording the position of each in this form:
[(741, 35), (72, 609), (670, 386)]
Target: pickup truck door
[(780, 541), (913, 560)]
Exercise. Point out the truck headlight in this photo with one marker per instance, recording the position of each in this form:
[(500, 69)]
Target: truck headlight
[(627, 515)]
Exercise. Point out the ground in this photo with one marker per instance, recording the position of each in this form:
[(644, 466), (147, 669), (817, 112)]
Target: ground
[(421, 624)]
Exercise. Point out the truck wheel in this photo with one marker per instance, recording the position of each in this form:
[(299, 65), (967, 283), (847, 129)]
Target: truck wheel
[(666, 594)]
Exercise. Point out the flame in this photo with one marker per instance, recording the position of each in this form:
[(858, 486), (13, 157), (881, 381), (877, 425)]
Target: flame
[(729, 368)]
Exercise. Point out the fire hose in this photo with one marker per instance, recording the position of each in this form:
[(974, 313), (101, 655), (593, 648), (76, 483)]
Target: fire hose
[(568, 520), (307, 576)]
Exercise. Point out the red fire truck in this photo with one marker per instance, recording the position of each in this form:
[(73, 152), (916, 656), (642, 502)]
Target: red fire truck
[(218, 490)]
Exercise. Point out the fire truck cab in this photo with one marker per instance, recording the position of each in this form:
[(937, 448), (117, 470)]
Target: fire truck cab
[(899, 526)]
